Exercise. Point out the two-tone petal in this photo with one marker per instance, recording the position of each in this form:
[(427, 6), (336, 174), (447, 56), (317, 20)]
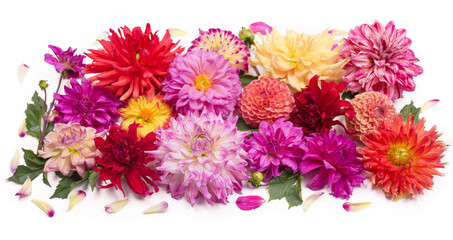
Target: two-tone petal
[(248, 203), (45, 207), (429, 104), (22, 129), (25, 190), (116, 206), (311, 199), (355, 207), (22, 71), (76, 198), (15, 161), (158, 208)]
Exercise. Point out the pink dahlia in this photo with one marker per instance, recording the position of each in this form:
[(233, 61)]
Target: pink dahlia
[(274, 148), (265, 99), (202, 80), (201, 155), (380, 60)]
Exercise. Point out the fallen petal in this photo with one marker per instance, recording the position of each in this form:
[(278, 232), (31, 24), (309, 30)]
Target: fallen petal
[(429, 104), (354, 207), (260, 27), (45, 207), (22, 71), (401, 196), (174, 32), (102, 36), (116, 206), (22, 129), (158, 208), (247, 203), (76, 198), (25, 190), (15, 161), (311, 199)]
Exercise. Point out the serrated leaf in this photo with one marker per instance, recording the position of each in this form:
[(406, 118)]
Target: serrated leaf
[(93, 180), (411, 109), (287, 185), (49, 128), (246, 79), (242, 126), (33, 115), (22, 172), (38, 101), (67, 184), (32, 160), (45, 180)]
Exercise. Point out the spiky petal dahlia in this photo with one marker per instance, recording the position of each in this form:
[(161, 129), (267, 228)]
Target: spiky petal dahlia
[(132, 63), (148, 113), (91, 106), (296, 58), (274, 148), (335, 161), (265, 99), (223, 43), (70, 147), (316, 107), (202, 80), (123, 154), (66, 61), (201, 155), (371, 109), (403, 157), (380, 60)]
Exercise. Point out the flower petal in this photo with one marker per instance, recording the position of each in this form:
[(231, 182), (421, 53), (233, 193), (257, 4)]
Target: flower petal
[(354, 207), (76, 198), (401, 196), (158, 208), (429, 104), (22, 71), (116, 206), (45, 207), (247, 203), (25, 190), (22, 129), (102, 36), (260, 27), (15, 161), (175, 32), (311, 199)]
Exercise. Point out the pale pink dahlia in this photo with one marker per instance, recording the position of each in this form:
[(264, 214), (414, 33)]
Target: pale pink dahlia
[(202, 80), (201, 155), (380, 60), (265, 99)]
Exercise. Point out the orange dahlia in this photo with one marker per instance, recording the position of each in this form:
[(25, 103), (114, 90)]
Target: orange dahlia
[(403, 157), (132, 63)]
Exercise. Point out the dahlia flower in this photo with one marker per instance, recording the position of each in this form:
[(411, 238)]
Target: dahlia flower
[(132, 63), (201, 155), (335, 161), (70, 147), (316, 107), (149, 113), (202, 79), (66, 61), (265, 99), (124, 155), (88, 105), (403, 157), (274, 148), (380, 60), (223, 43), (371, 109), (296, 58)]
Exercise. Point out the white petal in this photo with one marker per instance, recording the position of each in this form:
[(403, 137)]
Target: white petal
[(116, 206), (25, 190), (175, 32), (15, 161), (76, 198), (158, 208), (354, 207), (311, 199), (22, 71), (45, 207), (429, 104)]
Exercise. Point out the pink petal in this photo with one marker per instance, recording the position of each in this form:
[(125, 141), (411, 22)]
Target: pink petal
[(247, 203), (260, 27)]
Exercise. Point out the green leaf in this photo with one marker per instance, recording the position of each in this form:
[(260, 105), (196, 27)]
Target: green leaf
[(49, 128), (287, 185), (38, 101), (246, 79), (32, 160), (348, 95), (411, 109), (34, 115), (242, 126), (22, 172), (45, 180), (93, 180), (67, 184)]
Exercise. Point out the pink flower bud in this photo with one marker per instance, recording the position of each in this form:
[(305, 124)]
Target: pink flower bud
[(260, 27), (247, 203)]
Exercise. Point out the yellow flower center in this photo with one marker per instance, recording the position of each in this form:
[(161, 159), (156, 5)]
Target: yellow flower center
[(202, 82), (146, 114), (137, 56), (399, 156)]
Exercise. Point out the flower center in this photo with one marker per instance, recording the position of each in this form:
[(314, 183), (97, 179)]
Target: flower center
[(202, 145), (146, 115), (202, 82), (399, 156), (272, 149), (379, 112)]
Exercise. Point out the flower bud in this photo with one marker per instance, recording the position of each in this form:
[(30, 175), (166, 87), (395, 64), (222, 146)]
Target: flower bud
[(43, 84), (257, 177), (247, 36)]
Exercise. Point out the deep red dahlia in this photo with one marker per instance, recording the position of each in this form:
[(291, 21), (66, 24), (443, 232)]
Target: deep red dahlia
[(316, 107), (124, 155), (132, 63)]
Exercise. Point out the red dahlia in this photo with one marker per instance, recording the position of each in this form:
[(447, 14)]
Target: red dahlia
[(316, 107), (124, 155), (132, 63)]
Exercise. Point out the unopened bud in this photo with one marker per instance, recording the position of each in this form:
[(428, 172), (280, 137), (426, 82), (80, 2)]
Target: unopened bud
[(257, 177), (247, 36), (43, 84)]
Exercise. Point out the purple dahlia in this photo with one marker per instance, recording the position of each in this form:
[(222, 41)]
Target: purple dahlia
[(66, 61)]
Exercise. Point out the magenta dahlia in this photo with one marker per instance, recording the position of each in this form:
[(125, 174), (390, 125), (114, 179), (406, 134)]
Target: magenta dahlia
[(66, 61)]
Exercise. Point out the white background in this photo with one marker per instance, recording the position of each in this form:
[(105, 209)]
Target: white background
[(28, 27)]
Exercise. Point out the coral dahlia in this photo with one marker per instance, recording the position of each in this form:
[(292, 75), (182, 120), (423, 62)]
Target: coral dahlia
[(380, 60), (201, 155), (132, 63), (223, 43), (124, 155), (202, 80), (265, 99), (403, 157)]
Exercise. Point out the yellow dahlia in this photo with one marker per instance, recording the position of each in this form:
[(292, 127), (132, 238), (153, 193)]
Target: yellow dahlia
[(149, 113), (296, 58)]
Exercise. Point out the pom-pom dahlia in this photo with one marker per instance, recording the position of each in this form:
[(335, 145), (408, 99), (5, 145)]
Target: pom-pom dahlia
[(371, 109), (70, 147), (296, 58), (403, 157), (88, 105), (316, 107), (149, 113), (274, 148), (123, 154), (223, 43), (202, 80), (265, 99), (335, 161), (132, 63), (66, 61), (201, 155), (380, 60)]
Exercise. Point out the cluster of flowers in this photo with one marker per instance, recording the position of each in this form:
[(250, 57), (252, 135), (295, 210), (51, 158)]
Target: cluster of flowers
[(159, 118)]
